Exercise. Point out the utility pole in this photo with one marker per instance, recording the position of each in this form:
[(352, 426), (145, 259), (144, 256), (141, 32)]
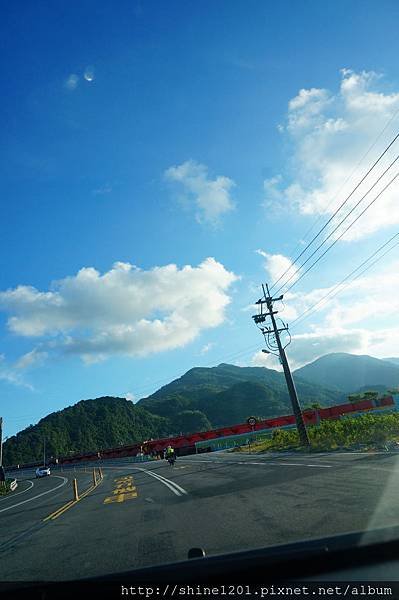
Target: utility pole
[(275, 331)]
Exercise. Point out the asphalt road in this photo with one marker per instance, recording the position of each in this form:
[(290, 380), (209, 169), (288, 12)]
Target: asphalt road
[(151, 513)]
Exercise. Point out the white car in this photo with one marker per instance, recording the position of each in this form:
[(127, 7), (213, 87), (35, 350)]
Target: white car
[(42, 472)]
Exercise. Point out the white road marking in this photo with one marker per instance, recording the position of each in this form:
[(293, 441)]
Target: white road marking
[(174, 487), (265, 463), (23, 491), (284, 464), (201, 460), (38, 495)]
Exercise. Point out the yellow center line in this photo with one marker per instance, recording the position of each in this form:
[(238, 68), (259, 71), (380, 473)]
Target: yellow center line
[(68, 505), (59, 510)]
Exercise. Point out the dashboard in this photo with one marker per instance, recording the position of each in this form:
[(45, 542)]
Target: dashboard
[(354, 557)]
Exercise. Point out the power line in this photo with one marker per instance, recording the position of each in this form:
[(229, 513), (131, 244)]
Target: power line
[(334, 213), (379, 136), (305, 315), (343, 233)]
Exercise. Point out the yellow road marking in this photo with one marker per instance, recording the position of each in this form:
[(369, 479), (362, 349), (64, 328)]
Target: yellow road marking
[(68, 505), (110, 499), (129, 488), (64, 509), (130, 495), (59, 510), (120, 498), (124, 490)]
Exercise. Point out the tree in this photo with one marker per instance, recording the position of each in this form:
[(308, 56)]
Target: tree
[(190, 421), (355, 398), (87, 426), (371, 395)]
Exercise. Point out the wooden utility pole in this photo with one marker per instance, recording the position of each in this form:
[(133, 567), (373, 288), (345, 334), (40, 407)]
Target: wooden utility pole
[(275, 332)]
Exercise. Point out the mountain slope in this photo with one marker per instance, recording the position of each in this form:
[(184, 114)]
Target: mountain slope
[(202, 398), (228, 394), (350, 372), (87, 426), (242, 400)]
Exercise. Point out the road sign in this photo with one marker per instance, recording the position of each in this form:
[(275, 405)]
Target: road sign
[(251, 421)]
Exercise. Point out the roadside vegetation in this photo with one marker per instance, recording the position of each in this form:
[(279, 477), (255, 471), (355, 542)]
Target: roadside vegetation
[(5, 487), (367, 432)]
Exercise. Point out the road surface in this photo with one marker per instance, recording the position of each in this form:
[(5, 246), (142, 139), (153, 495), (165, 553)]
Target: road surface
[(150, 513)]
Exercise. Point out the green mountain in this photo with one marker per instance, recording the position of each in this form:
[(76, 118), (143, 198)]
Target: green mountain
[(228, 394), (203, 398), (89, 425), (350, 372)]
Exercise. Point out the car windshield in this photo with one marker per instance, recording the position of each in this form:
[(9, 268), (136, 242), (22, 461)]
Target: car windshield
[(199, 287)]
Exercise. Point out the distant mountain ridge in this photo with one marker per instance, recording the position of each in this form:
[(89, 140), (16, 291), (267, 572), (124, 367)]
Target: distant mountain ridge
[(203, 398), (226, 394), (350, 372)]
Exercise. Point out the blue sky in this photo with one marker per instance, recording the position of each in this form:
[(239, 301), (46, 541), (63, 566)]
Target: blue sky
[(141, 135)]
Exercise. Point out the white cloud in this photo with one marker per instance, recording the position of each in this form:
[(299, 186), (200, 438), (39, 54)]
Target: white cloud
[(131, 397), (310, 346), (329, 133), (210, 197), (124, 311), (276, 264), (366, 300), (358, 320), (270, 361), (307, 347), (11, 374), (206, 348), (33, 358), (71, 82)]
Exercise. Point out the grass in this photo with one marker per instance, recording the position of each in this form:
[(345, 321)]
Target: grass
[(365, 433), (5, 487)]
